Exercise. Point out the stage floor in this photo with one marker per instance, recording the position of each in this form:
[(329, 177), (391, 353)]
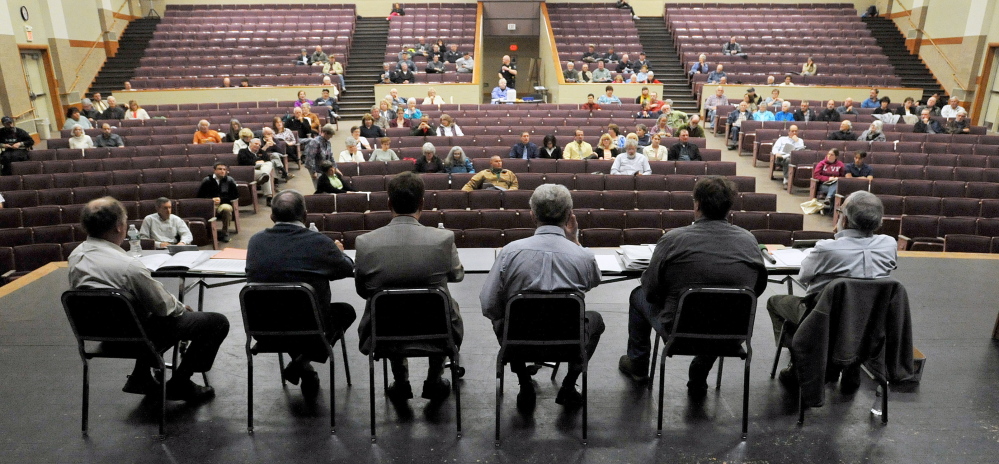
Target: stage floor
[(953, 416)]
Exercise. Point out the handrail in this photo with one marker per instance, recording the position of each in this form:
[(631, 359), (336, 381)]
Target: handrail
[(94, 46), (30, 110), (477, 73), (935, 46), (551, 39)]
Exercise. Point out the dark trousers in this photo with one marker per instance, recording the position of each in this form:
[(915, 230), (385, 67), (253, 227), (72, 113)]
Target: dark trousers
[(10, 155), (311, 349), (786, 308), (643, 317), (593, 327), (733, 135), (204, 330)]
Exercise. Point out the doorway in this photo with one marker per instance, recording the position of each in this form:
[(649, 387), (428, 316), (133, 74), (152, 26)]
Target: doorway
[(40, 80)]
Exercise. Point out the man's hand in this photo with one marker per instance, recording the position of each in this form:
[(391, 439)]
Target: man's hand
[(338, 245), (572, 229), (164, 244), (189, 309), (217, 201)]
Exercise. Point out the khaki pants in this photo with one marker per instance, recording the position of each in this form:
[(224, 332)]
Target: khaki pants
[(787, 308), (224, 212), (259, 171)]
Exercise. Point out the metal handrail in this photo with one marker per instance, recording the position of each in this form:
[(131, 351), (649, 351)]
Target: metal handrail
[(935, 46), (30, 110), (94, 46)]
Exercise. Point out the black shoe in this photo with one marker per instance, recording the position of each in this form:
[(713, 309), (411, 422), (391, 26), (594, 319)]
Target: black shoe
[(849, 383), (399, 391), (731, 147), (269, 201), (637, 370), (569, 397), (310, 384), (292, 373), (697, 390), (527, 398), (788, 378), (186, 390), (141, 385), (437, 389), (263, 179), (224, 238)]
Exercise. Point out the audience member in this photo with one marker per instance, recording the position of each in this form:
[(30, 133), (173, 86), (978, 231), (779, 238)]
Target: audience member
[(787, 81), (99, 262), (804, 113), (785, 113), (809, 68), (318, 150), (276, 149), (577, 149), (429, 162), (784, 146), (425, 128), (89, 112), (909, 111), (15, 143), (456, 162), (651, 78), (625, 66), (427, 258), (711, 105), (411, 111), (334, 69), (304, 59), (330, 102), (73, 118), (715, 76), (549, 148), (79, 140), (400, 120), (733, 48), (874, 133), (591, 55), (368, 128), (643, 62), (554, 245), (608, 97), (674, 118), (770, 81), (828, 171), (384, 153), (524, 149), (245, 134), (845, 132), (883, 106), (99, 104), (397, 10), (642, 136), (926, 124), (585, 76), (244, 82), (610, 56), (643, 97), (432, 98), (164, 227), (830, 113), (859, 168), (331, 179), (403, 75), (856, 252), (763, 113), (263, 168), (500, 93), (351, 153), (226, 83), (960, 124), (711, 252), (655, 151), (735, 120), (615, 134), (931, 104), (951, 109), (606, 148), (684, 150), (631, 163), (508, 71), (774, 101), (107, 138), (312, 118), (435, 65), (465, 64), (753, 98), (493, 178), (872, 101), (693, 127), (404, 59), (448, 128), (601, 74), (700, 67), (452, 55), (319, 57), (623, 5), (847, 107), (223, 191), (590, 104), (290, 252), (204, 134)]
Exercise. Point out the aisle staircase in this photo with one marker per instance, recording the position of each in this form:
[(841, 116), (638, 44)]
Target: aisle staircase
[(909, 67), (364, 65), (659, 50), (121, 67)]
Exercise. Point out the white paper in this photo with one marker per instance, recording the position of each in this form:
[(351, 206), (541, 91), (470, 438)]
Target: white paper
[(229, 266), (181, 261), (790, 257), (154, 261), (608, 263)]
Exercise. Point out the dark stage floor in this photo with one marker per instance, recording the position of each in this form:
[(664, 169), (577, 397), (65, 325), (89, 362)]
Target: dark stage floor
[(953, 416)]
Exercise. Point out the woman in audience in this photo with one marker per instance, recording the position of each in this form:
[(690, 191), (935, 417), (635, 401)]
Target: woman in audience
[(411, 111), (809, 68), (245, 135), (606, 149), (369, 129), (429, 162), (655, 151), (644, 97), (232, 134), (400, 120), (457, 163), (351, 154), (287, 135), (909, 109), (312, 117), (662, 127), (442, 45), (874, 134), (828, 171), (619, 79), (614, 132), (135, 111), (330, 181), (432, 98), (750, 101), (79, 139), (883, 106), (447, 127), (396, 11), (385, 112), (362, 143), (301, 99), (384, 153), (550, 148), (74, 118)]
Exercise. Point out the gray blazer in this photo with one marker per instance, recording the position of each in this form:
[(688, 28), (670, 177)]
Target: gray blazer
[(405, 254)]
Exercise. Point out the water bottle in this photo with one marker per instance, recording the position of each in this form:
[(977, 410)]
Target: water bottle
[(312, 227), (134, 244), (440, 225)]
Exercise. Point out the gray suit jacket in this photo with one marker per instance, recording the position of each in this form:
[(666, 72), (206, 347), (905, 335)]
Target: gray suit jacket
[(405, 254)]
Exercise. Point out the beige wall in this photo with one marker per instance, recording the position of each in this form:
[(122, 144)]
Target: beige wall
[(366, 8), (451, 93)]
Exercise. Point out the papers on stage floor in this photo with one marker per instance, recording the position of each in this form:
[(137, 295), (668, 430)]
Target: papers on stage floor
[(608, 263), (179, 262), (790, 257), (636, 256)]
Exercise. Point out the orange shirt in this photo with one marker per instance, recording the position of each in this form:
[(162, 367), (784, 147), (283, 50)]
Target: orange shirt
[(211, 137)]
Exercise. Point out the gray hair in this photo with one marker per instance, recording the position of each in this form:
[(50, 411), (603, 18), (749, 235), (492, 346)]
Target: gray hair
[(878, 125), (161, 201), (456, 152), (551, 205), (630, 143), (329, 130), (429, 148), (847, 122), (350, 142), (864, 210), (288, 206)]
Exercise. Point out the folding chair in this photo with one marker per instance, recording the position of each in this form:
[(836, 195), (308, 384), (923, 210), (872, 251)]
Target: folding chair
[(106, 325), (542, 328), (285, 310), (404, 316), (710, 321)]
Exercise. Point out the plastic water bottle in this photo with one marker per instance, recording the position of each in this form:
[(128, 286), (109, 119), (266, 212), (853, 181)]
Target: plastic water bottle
[(134, 244), (312, 227), (440, 225)]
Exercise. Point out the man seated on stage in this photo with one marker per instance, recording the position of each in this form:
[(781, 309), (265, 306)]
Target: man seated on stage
[(525, 149), (165, 228), (710, 252), (631, 163), (856, 252), (426, 258), (500, 92), (289, 252), (263, 168), (99, 262), (223, 191), (204, 134), (577, 149), (684, 150), (784, 146), (554, 246), (108, 138), (493, 178)]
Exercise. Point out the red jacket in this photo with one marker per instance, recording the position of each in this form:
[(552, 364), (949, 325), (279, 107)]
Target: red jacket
[(824, 170)]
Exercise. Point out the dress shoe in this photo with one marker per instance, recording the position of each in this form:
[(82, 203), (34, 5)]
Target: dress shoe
[(788, 378), (264, 179), (436, 389), (310, 384), (569, 397), (636, 370), (224, 238), (292, 373), (849, 383), (399, 391), (527, 398), (269, 201), (141, 385), (186, 390)]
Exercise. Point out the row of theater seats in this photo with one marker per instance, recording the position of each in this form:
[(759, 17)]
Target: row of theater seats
[(117, 177), (832, 63), (837, 80), (574, 29), (550, 166), (506, 140), (930, 232), (453, 23), (143, 161), (520, 199)]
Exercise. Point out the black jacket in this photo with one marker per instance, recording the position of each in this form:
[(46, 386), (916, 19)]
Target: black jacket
[(830, 115), (673, 154), (225, 190), (325, 186), (245, 157)]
